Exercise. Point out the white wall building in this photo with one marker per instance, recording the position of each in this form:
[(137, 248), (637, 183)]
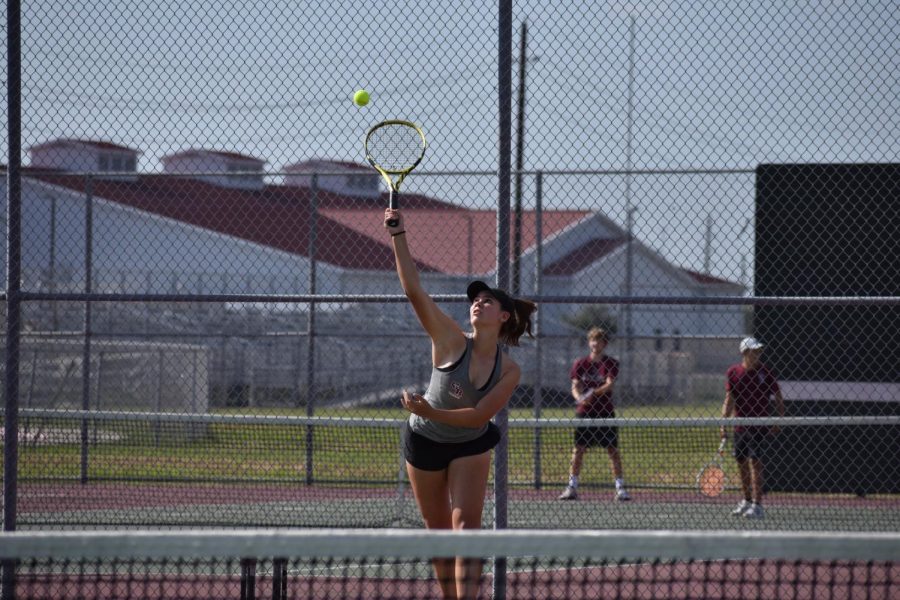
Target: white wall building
[(204, 164), (87, 156), (340, 177)]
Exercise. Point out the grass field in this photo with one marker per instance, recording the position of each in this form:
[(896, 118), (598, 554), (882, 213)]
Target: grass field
[(136, 450)]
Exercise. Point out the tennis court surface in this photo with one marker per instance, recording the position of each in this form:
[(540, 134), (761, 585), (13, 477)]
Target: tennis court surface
[(163, 470)]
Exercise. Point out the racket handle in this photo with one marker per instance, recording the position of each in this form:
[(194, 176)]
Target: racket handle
[(393, 204)]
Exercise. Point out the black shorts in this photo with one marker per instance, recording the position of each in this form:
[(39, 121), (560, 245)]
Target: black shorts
[(605, 437), (426, 454), (751, 442)]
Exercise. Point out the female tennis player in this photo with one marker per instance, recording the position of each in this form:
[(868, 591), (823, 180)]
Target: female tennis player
[(448, 438)]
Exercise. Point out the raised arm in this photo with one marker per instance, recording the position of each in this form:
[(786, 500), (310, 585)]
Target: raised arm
[(445, 333)]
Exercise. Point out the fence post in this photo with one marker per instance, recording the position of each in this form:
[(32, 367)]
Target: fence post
[(311, 325), (538, 353), (13, 282), (86, 351), (504, 97)]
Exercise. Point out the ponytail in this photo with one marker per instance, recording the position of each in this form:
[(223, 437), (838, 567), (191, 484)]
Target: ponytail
[(518, 323)]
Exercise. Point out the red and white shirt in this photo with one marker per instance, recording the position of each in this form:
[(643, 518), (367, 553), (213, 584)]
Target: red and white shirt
[(593, 374), (752, 391)]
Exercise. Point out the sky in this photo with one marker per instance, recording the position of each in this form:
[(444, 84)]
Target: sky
[(655, 85)]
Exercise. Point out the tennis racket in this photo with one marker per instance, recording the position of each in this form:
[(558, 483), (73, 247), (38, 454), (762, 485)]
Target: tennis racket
[(395, 148), (711, 479), (585, 396)]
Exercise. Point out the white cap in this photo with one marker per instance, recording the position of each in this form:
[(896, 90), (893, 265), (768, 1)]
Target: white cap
[(750, 343)]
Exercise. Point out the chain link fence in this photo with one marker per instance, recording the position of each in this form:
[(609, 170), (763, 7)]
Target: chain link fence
[(201, 238)]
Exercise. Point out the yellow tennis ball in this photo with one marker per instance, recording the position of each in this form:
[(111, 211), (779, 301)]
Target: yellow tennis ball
[(361, 97)]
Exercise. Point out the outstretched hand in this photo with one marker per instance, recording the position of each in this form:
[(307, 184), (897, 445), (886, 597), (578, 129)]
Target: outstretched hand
[(415, 403)]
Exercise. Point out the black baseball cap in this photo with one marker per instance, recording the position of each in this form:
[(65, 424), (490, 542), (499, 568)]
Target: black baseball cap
[(506, 302)]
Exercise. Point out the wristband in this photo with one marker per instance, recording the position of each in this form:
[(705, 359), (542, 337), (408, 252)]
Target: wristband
[(398, 233)]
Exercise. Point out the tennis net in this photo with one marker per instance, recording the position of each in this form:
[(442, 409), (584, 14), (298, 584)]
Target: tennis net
[(392, 563)]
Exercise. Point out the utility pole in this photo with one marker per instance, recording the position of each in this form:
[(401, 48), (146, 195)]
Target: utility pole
[(516, 282), (629, 209)]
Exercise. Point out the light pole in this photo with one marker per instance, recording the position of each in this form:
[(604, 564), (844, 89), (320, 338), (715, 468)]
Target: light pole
[(520, 141), (629, 209)]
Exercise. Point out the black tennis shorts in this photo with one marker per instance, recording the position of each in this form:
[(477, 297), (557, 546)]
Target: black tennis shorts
[(426, 454), (605, 437), (751, 442)]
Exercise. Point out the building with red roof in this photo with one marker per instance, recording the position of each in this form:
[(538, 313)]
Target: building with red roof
[(215, 222)]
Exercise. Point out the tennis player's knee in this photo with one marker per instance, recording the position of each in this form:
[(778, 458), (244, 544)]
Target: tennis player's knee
[(435, 514), (466, 519)]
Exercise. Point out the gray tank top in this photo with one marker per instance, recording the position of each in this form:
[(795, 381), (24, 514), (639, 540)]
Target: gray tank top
[(450, 388)]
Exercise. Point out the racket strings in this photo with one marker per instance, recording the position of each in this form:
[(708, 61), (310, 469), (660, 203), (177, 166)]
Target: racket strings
[(711, 481), (395, 147)]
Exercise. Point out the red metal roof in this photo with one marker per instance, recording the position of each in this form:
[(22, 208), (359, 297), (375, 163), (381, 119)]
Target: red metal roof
[(707, 279), (349, 230), (275, 216), (453, 241), (444, 237)]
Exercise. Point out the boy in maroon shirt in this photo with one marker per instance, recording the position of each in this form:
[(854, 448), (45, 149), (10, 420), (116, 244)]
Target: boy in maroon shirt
[(749, 387), (592, 384)]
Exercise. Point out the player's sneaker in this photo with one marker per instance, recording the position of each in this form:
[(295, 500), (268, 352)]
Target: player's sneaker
[(741, 508), (622, 495), (755, 511), (569, 494)]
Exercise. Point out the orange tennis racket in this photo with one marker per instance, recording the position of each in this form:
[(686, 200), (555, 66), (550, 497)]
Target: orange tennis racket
[(711, 480)]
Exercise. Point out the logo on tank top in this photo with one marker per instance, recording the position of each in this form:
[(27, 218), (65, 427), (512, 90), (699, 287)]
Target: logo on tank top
[(456, 391)]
